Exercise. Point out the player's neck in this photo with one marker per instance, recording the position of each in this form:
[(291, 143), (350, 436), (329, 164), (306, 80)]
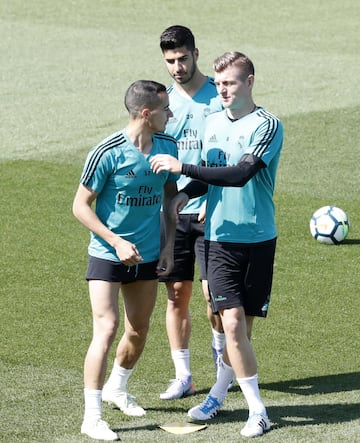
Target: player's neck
[(236, 114), (139, 137), (193, 86)]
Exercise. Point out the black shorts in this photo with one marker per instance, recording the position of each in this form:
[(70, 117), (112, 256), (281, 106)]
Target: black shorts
[(240, 275), (107, 270), (189, 245)]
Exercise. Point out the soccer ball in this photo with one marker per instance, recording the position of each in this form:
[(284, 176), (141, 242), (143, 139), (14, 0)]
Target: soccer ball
[(330, 225)]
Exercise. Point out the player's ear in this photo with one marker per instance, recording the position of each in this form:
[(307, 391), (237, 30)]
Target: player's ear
[(145, 113), (251, 80), (196, 53)]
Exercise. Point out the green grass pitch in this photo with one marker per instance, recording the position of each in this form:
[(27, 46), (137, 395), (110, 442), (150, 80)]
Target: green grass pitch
[(64, 69)]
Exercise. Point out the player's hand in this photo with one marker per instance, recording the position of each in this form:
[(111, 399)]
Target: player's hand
[(177, 204), (202, 213), (166, 262), (127, 252), (165, 162)]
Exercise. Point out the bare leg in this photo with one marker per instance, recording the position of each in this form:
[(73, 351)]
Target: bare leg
[(215, 320), (178, 326), (240, 353), (139, 301), (105, 311), (178, 320)]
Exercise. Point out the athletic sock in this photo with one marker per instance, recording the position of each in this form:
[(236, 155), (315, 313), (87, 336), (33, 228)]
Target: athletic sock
[(119, 377), (250, 389), (181, 359), (92, 399), (218, 340), (225, 376)]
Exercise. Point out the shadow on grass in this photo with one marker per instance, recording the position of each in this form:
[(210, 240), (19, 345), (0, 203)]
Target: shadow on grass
[(298, 415), (132, 428), (288, 415), (351, 241), (302, 415), (325, 384), (294, 414), (280, 416)]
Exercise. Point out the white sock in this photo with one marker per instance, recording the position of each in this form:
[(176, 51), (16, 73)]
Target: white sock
[(250, 389), (181, 359), (218, 340), (118, 377), (92, 399), (224, 377)]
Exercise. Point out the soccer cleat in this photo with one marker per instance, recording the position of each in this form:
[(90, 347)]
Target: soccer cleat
[(124, 401), (206, 410), (98, 430), (178, 389), (256, 425)]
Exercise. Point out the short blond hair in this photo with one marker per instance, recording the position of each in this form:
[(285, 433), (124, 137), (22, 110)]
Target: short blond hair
[(234, 58)]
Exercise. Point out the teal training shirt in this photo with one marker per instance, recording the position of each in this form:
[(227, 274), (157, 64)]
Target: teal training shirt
[(129, 193), (242, 214), (187, 127)]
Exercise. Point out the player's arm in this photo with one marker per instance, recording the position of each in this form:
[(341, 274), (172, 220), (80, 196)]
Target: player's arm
[(166, 261), (165, 162), (195, 188), (236, 176), (82, 210)]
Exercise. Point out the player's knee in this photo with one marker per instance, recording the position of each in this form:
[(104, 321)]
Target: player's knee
[(139, 334), (106, 328), (179, 294), (234, 322)]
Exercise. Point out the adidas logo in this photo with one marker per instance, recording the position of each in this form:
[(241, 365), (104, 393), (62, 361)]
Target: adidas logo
[(213, 139), (130, 174)]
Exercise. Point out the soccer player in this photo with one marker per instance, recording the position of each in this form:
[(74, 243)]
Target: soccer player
[(124, 250), (241, 153), (192, 97)]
